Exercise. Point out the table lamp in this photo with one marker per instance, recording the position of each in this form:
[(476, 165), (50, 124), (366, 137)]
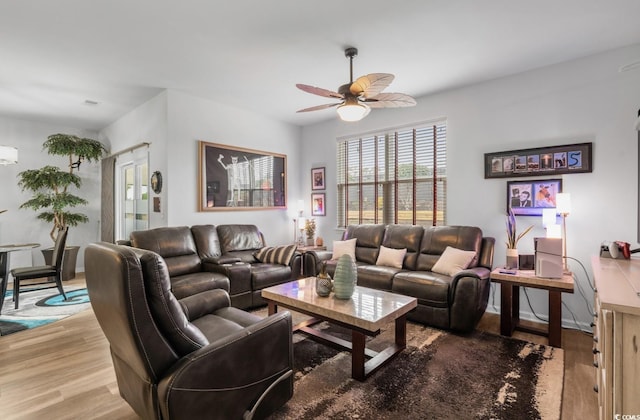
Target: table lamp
[(563, 208)]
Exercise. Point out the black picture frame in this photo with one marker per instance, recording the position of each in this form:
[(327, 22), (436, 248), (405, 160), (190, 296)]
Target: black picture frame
[(543, 161), (530, 197), (236, 178), (318, 179)]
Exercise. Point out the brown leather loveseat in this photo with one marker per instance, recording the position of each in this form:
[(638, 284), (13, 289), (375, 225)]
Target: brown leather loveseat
[(190, 358), (455, 301), (228, 257)]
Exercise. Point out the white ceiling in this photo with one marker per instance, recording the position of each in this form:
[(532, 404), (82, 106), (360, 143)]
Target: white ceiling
[(54, 55)]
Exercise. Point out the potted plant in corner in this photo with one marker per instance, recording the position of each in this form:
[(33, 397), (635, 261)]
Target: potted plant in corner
[(512, 240), (51, 188)]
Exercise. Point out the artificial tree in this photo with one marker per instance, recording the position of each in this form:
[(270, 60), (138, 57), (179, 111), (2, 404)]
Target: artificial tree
[(50, 184)]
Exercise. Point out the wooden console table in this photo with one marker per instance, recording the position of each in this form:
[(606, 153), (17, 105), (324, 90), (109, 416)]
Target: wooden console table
[(510, 302)]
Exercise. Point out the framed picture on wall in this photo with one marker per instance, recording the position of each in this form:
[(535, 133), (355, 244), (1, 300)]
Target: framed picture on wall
[(317, 179), (528, 198), (318, 206)]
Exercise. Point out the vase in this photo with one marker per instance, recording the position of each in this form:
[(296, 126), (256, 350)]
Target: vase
[(512, 258), (310, 241), (319, 241), (323, 282), (345, 277)]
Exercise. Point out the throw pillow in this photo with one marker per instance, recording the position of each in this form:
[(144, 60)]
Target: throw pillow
[(344, 247), (391, 257), (453, 260), (276, 255)]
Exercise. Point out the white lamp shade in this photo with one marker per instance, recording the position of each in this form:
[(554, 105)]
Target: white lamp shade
[(554, 231), (8, 155), (563, 203), (548, 217)]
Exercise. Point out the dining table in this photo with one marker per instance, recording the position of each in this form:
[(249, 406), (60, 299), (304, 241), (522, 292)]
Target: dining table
[(5, 253)]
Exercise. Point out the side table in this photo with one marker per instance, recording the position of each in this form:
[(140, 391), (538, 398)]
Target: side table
[(510, 302)]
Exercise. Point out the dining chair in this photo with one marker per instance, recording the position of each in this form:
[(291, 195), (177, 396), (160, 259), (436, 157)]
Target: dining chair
[(53, 272)]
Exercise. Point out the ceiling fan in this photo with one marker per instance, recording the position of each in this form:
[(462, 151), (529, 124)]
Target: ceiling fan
[(360, 96)]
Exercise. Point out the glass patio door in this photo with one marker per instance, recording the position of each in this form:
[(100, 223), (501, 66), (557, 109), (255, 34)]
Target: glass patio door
[(133, 196)]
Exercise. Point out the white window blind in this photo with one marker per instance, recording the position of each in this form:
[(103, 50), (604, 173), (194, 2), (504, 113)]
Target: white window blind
[(397, 176)]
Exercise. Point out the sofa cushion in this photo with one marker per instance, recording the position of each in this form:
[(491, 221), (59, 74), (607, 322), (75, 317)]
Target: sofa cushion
[(436, 239), (404, 236), (276, 255), (265, 275), (452, 261), (175, 244), (375, 276), (207, 241), (344, 247), (369, 238), (239, 238), (194, 283), (391, 257), (429, 288)]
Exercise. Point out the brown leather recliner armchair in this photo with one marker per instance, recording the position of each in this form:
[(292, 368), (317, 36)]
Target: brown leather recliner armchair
[(193, 358)]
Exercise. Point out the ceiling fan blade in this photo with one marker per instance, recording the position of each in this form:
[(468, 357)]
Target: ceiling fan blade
[(319, 107), (319, 91), (390, 100), (371, 84)]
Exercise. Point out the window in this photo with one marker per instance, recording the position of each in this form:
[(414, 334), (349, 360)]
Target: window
[(394, 177)]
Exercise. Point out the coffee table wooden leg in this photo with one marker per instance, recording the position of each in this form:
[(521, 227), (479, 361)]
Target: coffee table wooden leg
[(358, 341), (401, 332), (555, 318), (272, 308)]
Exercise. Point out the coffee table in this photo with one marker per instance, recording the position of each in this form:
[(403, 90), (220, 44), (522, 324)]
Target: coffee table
[(364, 314)]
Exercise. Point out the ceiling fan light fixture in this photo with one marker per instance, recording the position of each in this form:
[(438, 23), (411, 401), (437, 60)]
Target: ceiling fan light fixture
[(352, 110)]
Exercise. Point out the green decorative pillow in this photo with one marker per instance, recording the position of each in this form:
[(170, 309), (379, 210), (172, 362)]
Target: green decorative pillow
[(276, 255)]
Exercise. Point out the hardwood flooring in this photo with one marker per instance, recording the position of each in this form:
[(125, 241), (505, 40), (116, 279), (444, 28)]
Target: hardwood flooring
[(63, 371)]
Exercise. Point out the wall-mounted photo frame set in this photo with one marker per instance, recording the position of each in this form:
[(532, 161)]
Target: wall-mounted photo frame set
[(566, 159), (529, 198), (317, 179), (318, 205)]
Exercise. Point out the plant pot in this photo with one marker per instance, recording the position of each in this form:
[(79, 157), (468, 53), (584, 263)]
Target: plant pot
[(512, 258), (68, 260), (310, 242)]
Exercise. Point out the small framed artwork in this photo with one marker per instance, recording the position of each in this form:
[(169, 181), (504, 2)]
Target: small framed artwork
[(528, 198), (317, 179), (318, 204)]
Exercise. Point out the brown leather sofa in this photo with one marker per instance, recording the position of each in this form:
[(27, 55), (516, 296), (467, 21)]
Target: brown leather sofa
[(207, 257), (190, 358), (454, 302)]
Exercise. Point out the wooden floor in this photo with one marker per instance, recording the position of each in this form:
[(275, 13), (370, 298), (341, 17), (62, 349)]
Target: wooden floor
[(63, 371)]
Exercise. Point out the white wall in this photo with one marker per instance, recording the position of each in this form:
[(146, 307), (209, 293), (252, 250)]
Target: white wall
[(21, 225), (192, 119), (174, 122), (586, 100), (145, 124)]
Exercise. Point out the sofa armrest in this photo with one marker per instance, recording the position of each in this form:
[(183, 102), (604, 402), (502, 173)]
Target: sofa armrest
[(469, 294), (313, 261), (223, 259), (207, 302), (234, 372)]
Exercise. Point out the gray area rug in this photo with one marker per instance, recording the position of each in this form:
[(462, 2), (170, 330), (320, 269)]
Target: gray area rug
[(41, 307), (441, 375)]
